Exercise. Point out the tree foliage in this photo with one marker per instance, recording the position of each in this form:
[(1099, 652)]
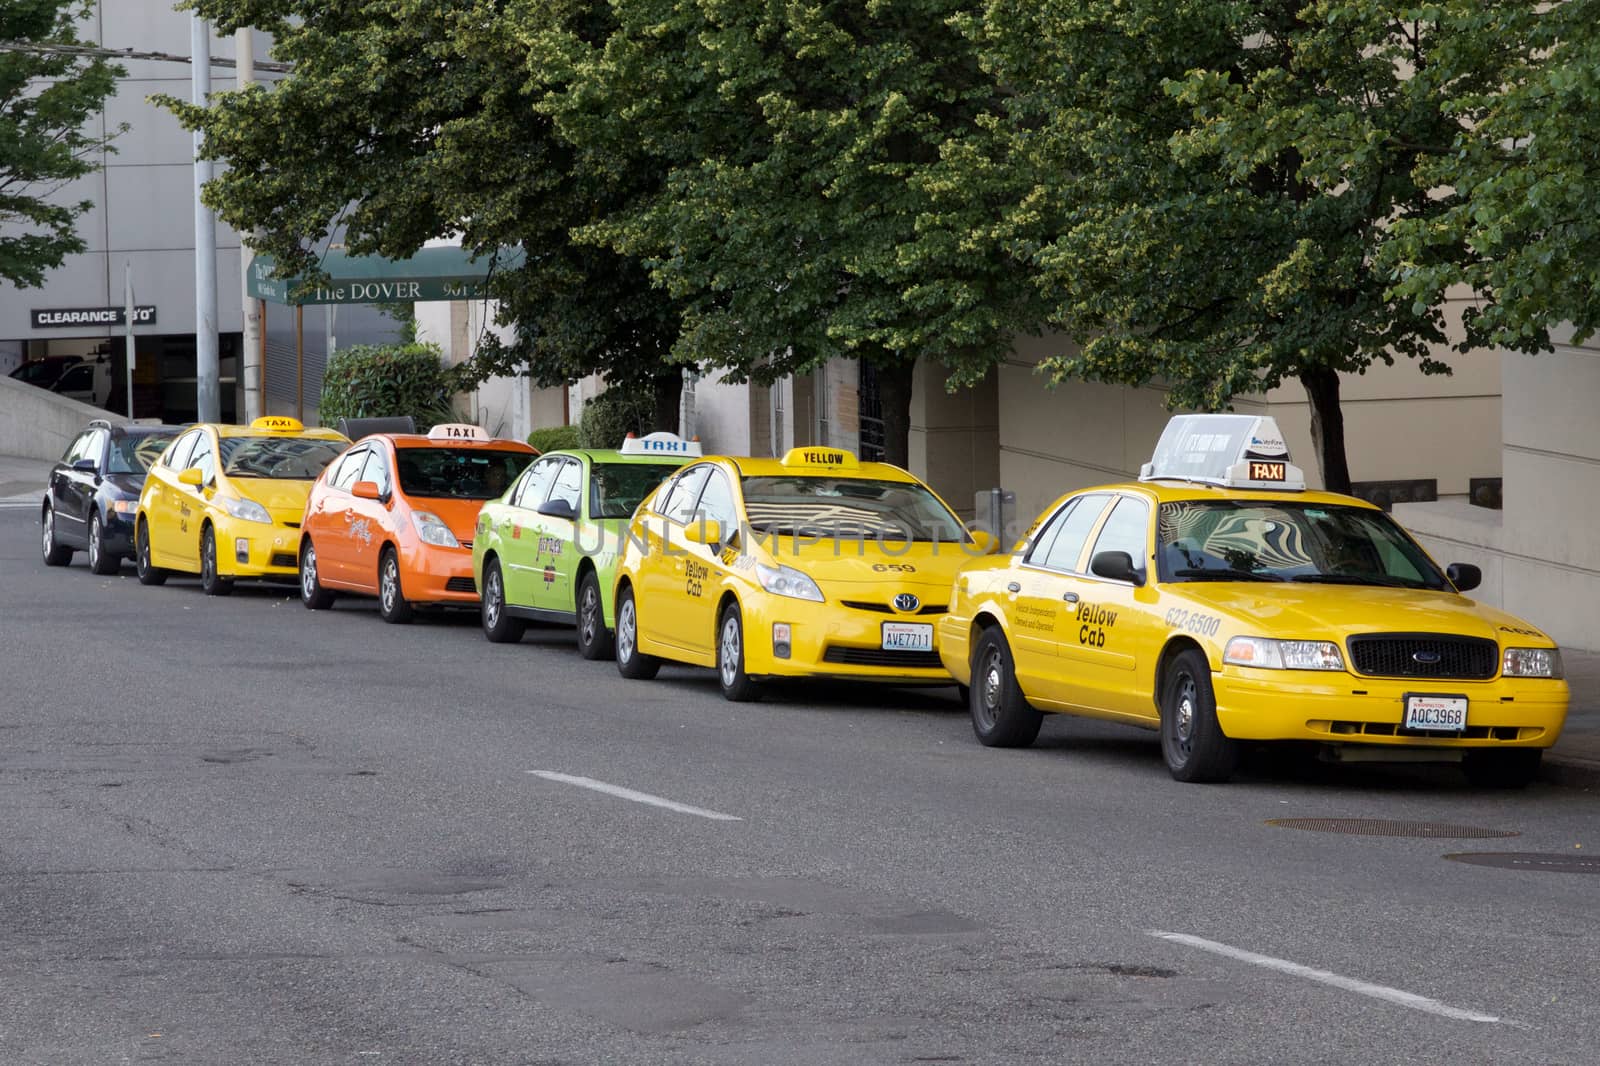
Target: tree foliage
[(377, 381), (46, 99)]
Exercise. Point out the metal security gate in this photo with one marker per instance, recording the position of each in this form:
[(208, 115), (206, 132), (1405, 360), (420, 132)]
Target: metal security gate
[(870, 447)]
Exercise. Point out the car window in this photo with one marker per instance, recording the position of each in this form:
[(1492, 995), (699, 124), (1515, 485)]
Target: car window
[(347, 468), (569, 483), (680, 500), (136, 453), (848, 508), (1062, 551), (536, 485), (617, 489), (376, 470), (205, 458), (716, 502), (1127, 530), (287, 458), (76, 379), (178, 458), (76, 449), (459, 473)]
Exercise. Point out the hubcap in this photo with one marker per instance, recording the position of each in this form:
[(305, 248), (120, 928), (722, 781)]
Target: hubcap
[(491, 598), (993, 682), (1183, 715), (730, 650), (94, 541), (308, 572), (625, 624), (49, 533), (208, 560), (588, 614), (389, 582)]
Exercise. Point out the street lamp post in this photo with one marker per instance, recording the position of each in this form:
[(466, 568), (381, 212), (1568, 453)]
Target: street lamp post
[(207, 371)]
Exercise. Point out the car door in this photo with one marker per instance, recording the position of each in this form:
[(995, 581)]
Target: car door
[(329, 518), (555, 556), (192, 501), (1045, 599), (1118, 629), (371, 522), (663, 573), (164, 497), (68, 497), (703, 565), (517, 529)]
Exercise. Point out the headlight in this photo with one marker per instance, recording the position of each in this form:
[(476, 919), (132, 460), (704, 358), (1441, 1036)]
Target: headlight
[(124, 506), (787, 581), (248, 510), (1268, 654), (1531, 662), (432, 530)]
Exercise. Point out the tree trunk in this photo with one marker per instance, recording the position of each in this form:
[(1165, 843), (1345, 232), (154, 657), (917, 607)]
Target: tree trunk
[(668, 390), (894, 395), (1327, 426)]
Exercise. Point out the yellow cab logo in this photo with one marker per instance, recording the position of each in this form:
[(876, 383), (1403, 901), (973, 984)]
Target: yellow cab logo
[(277, 424), (830, 458)]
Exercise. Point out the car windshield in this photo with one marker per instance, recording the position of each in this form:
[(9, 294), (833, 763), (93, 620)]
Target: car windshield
[(137, 453), (848, 508), (1270, 540), (287, 458), (616, 489), (458, 473)]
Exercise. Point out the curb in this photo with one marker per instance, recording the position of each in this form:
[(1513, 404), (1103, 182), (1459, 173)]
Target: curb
[(1570, 771)]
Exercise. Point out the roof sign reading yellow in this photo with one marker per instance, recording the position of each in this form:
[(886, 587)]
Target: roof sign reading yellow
[(277, 424), (1235, 451), (823, 458), (660, 443), (457, 431)]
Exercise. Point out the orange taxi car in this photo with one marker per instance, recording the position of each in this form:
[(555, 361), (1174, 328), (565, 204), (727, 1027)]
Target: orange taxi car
[(393, 517)]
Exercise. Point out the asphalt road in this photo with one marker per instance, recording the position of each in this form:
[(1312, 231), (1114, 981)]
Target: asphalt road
[(236, 831)]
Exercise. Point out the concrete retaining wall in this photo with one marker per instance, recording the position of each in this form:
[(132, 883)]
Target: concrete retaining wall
[(36, 424)]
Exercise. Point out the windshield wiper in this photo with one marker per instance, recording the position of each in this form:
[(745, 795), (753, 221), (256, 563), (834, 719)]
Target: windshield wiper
[(1224, 575), (1355, 579)]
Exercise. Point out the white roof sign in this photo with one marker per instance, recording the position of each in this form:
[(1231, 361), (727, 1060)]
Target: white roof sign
[(457, 431), (1237, 451), (660, 444)]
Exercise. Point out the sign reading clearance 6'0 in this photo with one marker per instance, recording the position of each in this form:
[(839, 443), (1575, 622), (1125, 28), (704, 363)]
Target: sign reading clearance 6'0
[(66, 317)]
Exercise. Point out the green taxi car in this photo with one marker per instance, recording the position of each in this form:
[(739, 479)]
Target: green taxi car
[(546, 551)]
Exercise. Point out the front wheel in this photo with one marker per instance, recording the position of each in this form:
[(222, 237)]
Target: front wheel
[(148, 574), (736, 684), (392, 605), (101, 561), (1515, 768), (55, 553), (498, 625), (594, 640), (1002, 717), (631, 662), (1192, 741), (212, 583), (312, 594)]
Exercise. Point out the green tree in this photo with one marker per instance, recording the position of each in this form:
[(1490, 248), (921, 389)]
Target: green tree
[(1212, 184), (809, 208), (47, 96)]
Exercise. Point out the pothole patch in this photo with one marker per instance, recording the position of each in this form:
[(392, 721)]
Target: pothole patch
[(1379, 827)]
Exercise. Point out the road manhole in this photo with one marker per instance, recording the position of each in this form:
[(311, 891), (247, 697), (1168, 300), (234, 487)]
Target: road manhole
[(1537, 862), (1378, 827)]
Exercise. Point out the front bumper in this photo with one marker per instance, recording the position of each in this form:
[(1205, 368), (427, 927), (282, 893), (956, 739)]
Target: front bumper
[(828, 640), (1346, 709), (433, 574), (256, 550), (116, 532)]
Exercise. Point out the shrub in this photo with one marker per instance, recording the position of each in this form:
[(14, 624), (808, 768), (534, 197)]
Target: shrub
[(612, 415), (375, 381), (552, 438)]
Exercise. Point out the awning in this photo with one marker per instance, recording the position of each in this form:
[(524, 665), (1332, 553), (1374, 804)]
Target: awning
[(445, 273)]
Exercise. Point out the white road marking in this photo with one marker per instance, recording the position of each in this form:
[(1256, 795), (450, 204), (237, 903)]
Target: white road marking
[(1349, 984), (637, 797)]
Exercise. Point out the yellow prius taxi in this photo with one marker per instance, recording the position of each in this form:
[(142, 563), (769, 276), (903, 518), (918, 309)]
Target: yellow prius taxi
[(226, 502), (1217, 601), (810, 565)]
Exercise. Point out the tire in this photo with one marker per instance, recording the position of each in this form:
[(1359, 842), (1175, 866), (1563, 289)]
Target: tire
[(212, 583), (736, 684), (1002, 717), (1515, 768), (148, 574), (55, 553), (498, 625), (631, 662), (312, 594), (594, 639), (101, 561), (1192, 742), (392, 605)]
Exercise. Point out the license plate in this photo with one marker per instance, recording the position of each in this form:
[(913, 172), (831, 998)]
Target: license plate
[(1442, 714), (907, 636)]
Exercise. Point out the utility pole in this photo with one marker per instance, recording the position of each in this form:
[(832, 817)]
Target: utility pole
[(208, 395), (249, 359)]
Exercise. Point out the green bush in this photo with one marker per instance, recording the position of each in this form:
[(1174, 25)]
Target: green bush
[(612, 415), (552, 438), (377, 381)]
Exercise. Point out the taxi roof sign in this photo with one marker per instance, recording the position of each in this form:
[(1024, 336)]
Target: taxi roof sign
[(457, 431), (660, 443), (1235, 451), (278, 424), (829, 458)]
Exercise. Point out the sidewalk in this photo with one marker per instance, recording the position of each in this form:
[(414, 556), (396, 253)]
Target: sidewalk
[(1574, 761)]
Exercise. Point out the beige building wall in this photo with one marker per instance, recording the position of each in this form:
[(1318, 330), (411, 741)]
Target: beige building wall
[(955, 436)]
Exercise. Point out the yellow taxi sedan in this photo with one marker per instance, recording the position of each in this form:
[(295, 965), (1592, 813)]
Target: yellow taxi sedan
[(813, 565), (1217, 601), (226, 502)]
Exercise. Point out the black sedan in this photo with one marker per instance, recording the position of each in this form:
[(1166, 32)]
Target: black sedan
[(93, 493)]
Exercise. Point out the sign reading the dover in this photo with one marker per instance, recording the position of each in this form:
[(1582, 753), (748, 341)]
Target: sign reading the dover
[(444, 273), (66, 317)]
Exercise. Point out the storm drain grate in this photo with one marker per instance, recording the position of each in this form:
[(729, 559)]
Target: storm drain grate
[(1378, 827), (1551, 863)]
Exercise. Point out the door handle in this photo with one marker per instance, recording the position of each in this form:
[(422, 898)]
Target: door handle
[(1070, 597), (1012, 586)]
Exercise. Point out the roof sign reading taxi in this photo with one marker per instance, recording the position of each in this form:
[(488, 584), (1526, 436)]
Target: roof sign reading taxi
[(660, 443), (457, 431), (277, 424), (1236, 451), (825, 458)]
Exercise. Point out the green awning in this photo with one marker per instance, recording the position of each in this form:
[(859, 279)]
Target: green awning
[(431, 274)]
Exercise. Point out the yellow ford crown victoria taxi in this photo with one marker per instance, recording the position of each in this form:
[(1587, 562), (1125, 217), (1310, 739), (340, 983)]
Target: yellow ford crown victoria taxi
[(225, 502), (1217, 601), (810, 565)]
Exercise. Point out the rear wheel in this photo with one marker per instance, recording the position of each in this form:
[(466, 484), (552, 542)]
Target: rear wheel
[(594, 640), (1002, 717), (392, 605), (498, 625), (100, 561), (148, 574), (632, 663), (55, 553), (1515, 768), (312, 594), (1192, 740), (736, 684)]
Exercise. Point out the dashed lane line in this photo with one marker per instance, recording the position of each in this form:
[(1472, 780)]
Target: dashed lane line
[(636, 797)]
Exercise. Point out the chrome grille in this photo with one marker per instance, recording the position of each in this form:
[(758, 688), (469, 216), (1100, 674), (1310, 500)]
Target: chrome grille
[(1424, 655)]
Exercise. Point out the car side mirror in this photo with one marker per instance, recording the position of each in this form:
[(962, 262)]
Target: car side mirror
[(704, 531), (192, 476), (1116, 566), (1464, 576), (985, 542), (366, 490), (85, 465), (553, 508)]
